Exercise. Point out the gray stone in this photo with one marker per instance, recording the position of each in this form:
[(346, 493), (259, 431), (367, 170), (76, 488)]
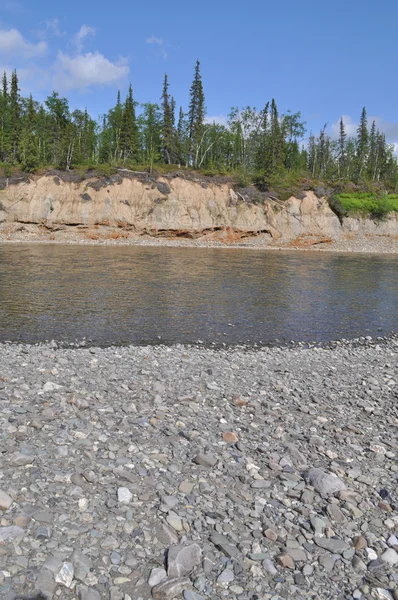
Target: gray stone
[(326, 484), (157, 576), (224, 544), (10, 533), (5, 501), (332, 544), (390, 557), (86, 593), (205, 460), (82, 565), (45, 584), (181, 560), (171, 588), (226, 577)]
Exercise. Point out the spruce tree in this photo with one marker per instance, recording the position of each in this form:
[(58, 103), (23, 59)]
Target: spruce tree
[(168, 108), (196, 115), (29, 144), (342, 158), (129, 130), (362, 143)]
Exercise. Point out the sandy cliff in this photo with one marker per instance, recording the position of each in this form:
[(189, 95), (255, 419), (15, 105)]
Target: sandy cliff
[(174, 206)]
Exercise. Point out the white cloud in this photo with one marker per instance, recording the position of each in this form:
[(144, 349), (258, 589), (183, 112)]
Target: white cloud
[(13, 43), (218, 120), (85, 31), (85, 70), (349, 125), (51, 27), (390, 129), (160, 42)]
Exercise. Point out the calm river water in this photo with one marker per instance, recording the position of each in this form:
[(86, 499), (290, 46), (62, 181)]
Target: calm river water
[(123, 295)]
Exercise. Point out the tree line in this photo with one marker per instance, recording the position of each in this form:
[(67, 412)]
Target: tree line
[(263, 143)]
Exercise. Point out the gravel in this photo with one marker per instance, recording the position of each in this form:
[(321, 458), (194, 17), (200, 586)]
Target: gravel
[(28, 233), (133, 473)]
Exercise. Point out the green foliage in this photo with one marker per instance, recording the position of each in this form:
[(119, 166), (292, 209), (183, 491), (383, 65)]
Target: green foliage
[(368, 204)]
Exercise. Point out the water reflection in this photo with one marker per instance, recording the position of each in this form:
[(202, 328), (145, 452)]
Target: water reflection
[(125, 295)]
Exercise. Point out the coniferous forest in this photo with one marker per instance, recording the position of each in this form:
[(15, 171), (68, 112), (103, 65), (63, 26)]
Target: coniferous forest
[(256, 145)]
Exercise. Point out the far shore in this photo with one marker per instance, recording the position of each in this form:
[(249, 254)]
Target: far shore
[(381, 244)]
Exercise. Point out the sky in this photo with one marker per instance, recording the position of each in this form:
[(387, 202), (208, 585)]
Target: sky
[(324, 59)]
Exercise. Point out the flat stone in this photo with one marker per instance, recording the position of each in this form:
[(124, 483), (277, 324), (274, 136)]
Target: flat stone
[(224, 544), (5, 501), (333, 545), (285, 561), (45, 584), (390, 556), (181, 560), (174, 521), (157, 576), (271, 535), (171, 589), (10, 533), (227, 576), (86, 593), (185, 487), (205, 460), (191, 595), (82, 565), (230, 437), (326, 484)]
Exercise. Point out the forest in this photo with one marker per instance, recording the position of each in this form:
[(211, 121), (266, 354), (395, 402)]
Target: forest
[(260, 146)]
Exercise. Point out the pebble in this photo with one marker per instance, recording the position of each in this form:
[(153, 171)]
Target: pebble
[(5, 501), (129, 483)]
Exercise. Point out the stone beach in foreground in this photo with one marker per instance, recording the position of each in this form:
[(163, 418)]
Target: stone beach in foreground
[(196, 473)]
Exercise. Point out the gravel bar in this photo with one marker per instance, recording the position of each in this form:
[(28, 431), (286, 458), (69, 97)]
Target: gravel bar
[(193, 473)]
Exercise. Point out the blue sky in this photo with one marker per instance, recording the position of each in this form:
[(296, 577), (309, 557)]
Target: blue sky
[(326, 59)]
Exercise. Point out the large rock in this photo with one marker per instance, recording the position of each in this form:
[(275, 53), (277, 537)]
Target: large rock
[(326, 484), (182, 560)]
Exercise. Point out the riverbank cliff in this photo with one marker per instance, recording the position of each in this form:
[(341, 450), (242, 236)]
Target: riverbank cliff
[(135, 206)]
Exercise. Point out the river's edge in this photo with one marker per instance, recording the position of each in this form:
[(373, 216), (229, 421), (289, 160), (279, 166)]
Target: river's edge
[(360, 244), (115, 460)]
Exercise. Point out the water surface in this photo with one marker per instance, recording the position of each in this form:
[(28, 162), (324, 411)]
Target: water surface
[(123, 295)]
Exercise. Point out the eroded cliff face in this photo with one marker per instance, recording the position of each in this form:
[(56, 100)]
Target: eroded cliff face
[(173, 206)]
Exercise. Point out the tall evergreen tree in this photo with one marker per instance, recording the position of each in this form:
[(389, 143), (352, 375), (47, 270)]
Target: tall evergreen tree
[(342, 158), (29, 145), (129, 130), (168, 135), (196, 115), (15, 117), (362, 143)]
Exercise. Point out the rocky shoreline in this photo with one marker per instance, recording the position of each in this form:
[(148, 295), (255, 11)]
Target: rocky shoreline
[(133, 473), (33, 234)]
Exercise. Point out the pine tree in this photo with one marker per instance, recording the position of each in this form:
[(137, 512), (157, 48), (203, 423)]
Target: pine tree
[(196, 115)]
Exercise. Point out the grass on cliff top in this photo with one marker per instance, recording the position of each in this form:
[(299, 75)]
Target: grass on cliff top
[(368, 203)]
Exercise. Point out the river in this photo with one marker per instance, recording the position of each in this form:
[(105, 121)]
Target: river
[(145, 295)]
